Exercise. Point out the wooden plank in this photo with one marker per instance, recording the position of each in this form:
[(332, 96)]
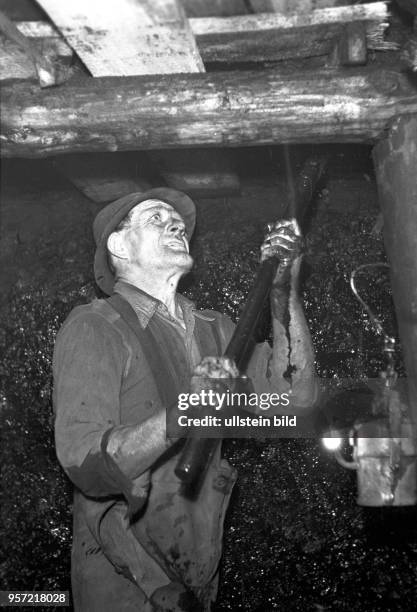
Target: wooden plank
[(15, 63), (102, 177), (236, 108), (278, 45), (38, 29), (23, 55), (352, 45), (372, 11), (43, 64), (45, 32), (292, 6), (271, 36), (125, 37), (395, 160), (199, 172), (260, 38)]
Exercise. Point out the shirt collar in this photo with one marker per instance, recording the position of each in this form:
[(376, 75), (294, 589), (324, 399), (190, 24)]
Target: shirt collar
[(146, 305)]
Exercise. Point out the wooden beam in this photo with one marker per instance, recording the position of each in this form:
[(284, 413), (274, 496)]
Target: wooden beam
[(202, 173), (236, 108), (395, 160), (42, 63), (352, 45), (45, 41), (45, 31), (124, 37), (292, 6), (272, 37), (14, 62), (372, 11), (102, 177)]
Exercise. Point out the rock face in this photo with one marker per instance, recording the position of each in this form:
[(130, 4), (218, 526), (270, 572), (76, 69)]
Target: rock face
[(43, 220)]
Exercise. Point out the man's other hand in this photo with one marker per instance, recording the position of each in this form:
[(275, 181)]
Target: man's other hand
[(207, 374), (283, 240)]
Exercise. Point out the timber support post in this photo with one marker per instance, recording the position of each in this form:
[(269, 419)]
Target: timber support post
[(395, 159)]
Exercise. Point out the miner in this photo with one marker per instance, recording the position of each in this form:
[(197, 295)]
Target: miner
[(119, 365)]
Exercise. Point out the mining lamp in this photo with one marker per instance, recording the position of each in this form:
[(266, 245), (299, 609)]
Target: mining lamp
[(384, 446), (384, 455)]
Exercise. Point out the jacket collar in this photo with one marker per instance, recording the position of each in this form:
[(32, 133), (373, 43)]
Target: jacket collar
[(146, 305)]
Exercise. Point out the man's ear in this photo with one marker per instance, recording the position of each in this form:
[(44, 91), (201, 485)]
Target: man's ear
[(116, 245)]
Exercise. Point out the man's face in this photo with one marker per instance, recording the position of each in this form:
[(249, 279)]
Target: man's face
[(156, 238)]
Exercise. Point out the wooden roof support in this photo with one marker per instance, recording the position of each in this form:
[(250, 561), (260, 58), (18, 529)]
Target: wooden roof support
[(236, 108), (102, 177), (42, 64), (351, 48), (127, 38), (15, 64), (272, 37), (155, 39), (291, 6), (202, 173), (395, 160)]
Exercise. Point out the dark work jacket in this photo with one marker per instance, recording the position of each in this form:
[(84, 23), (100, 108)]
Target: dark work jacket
[(102, 380)]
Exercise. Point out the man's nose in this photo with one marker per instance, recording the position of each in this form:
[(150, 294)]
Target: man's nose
[(176, 226)]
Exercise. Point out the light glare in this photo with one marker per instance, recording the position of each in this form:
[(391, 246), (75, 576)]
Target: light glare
[(332, 444)]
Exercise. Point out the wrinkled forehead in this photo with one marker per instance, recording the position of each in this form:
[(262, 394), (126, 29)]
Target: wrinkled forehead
[(152, 205)]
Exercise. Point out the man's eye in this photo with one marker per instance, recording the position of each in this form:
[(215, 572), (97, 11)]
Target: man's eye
[(156, 216)]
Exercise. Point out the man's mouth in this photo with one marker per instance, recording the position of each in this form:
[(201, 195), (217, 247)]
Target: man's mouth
[(177, 245)]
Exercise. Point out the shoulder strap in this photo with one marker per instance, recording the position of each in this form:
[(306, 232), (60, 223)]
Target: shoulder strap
[(217, 338), (203, 324), (155, 357)]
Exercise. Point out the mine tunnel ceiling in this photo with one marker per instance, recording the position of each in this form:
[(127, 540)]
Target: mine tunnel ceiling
[(123, 75)]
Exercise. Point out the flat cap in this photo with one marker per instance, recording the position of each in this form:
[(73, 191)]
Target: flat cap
[(111, 215)]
